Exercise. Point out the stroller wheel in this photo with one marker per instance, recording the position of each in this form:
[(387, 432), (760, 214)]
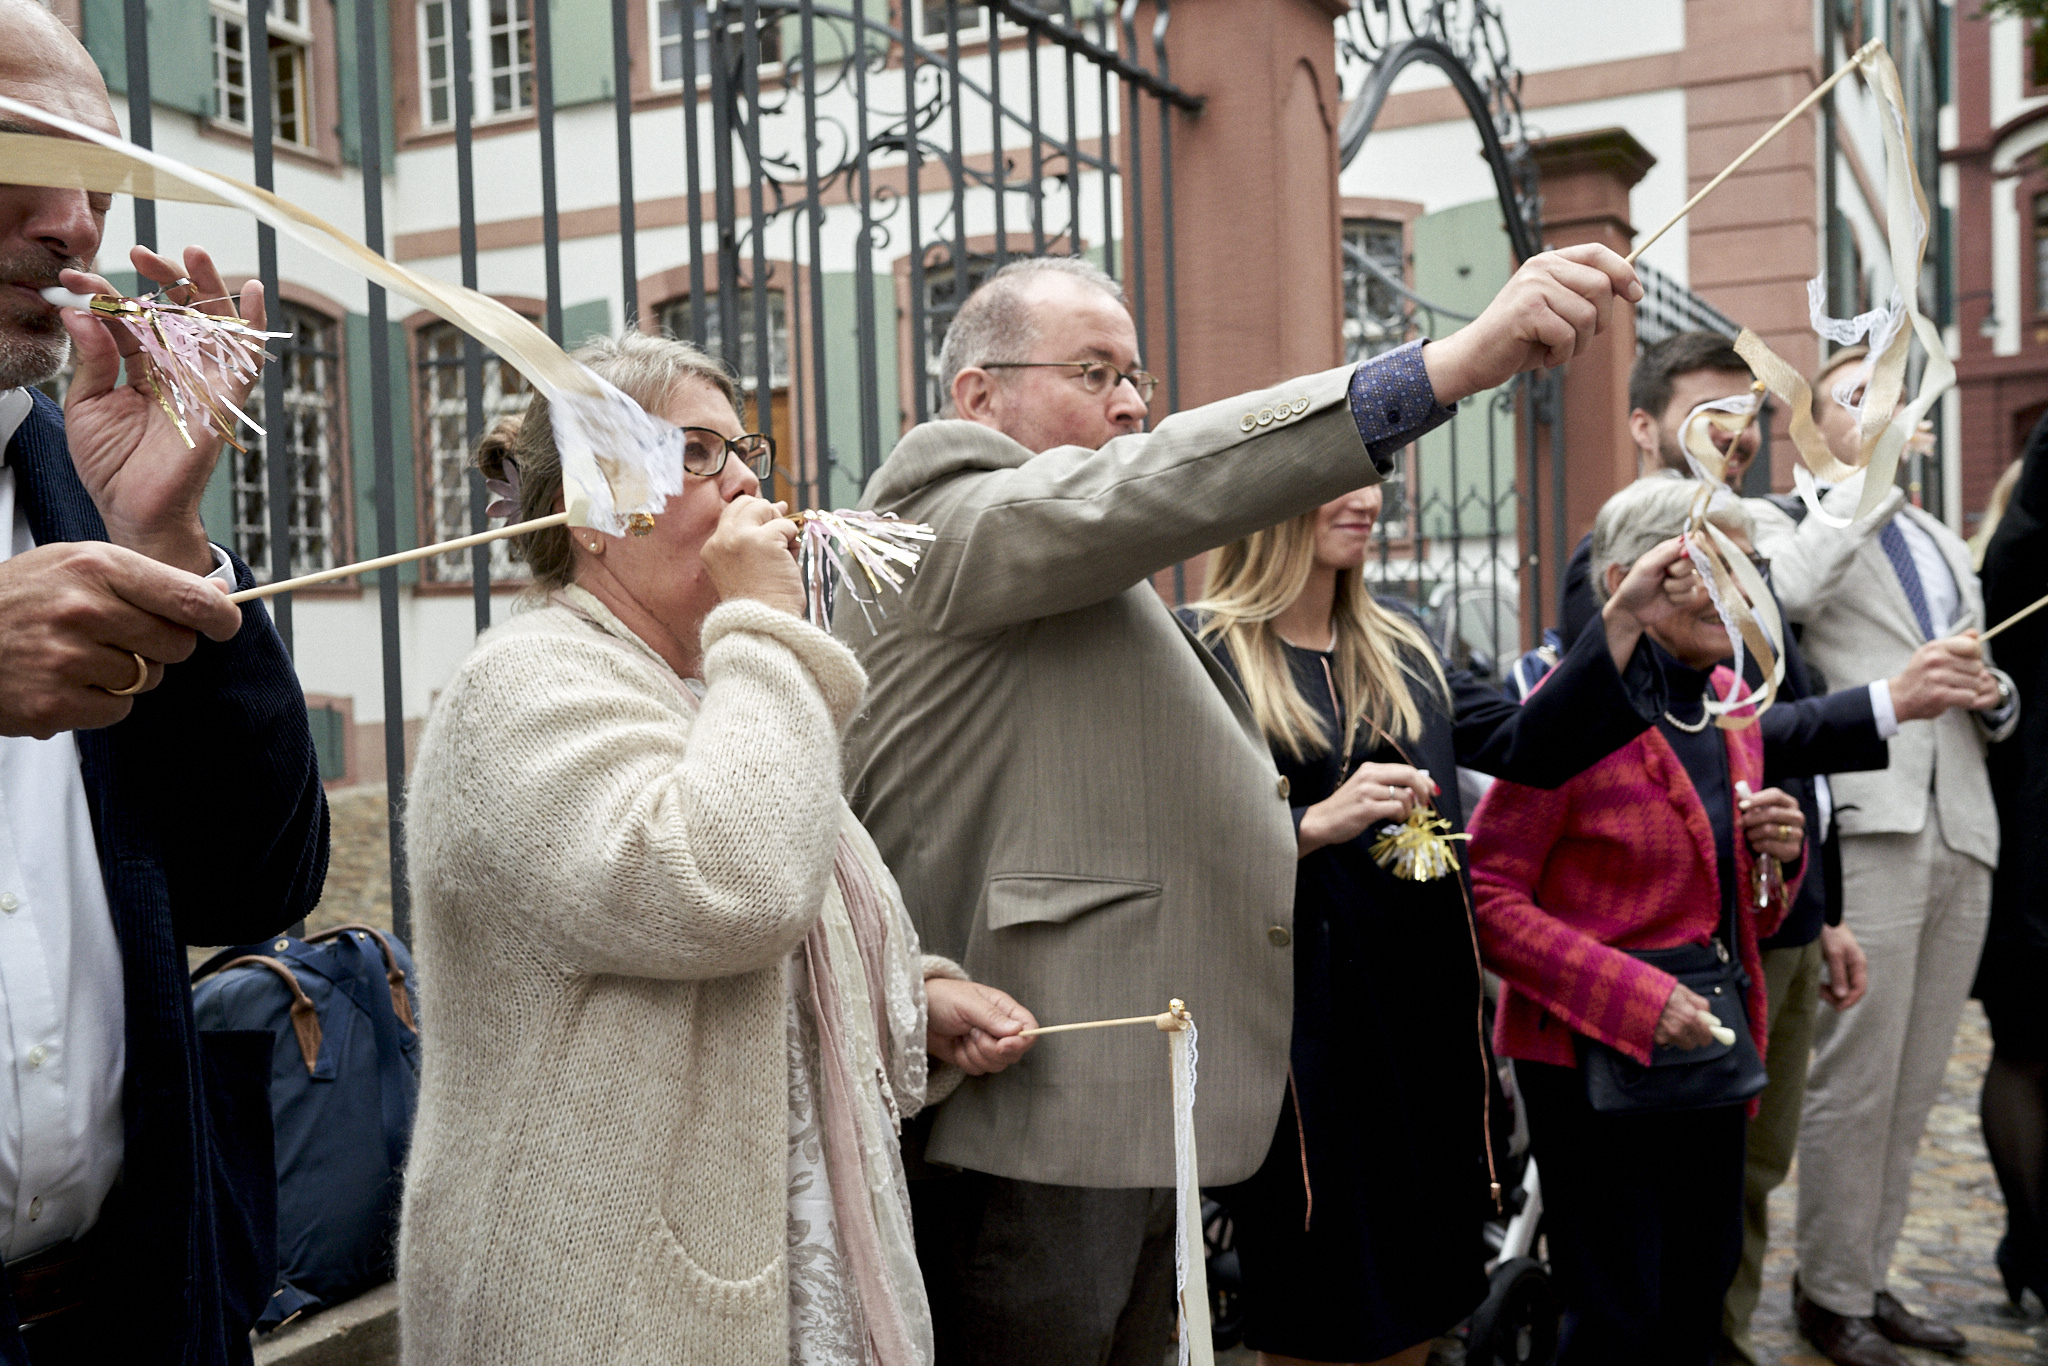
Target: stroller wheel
[(1219, 1244), (1516, 1325)]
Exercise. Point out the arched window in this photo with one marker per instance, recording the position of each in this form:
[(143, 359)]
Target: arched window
[(308, 437), (444, 445)]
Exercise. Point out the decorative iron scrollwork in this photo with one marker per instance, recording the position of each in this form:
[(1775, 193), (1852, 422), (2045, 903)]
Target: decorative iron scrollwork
[(1464, 39)]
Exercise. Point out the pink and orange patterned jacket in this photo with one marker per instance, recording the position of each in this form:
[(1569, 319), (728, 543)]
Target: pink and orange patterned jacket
[(1621, 857)]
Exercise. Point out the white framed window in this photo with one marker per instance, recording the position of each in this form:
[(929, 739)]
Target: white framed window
[(932, 18), (445, 445), (665, 24), (500, 59), (1375, 314), (675, 317), (307, 435), (942, 299), (291, 40)]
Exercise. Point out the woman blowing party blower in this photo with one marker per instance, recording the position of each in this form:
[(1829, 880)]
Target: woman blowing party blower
[(674, 1008), (1623, 911)]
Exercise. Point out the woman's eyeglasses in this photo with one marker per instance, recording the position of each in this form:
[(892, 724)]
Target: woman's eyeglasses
[(1096, 376), (705, 451)]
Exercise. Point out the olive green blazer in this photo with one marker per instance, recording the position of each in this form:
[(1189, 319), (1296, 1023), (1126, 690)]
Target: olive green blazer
[(1072, 793)]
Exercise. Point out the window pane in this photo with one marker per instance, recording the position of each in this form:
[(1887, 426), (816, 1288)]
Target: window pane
[(1375, 315), (676, 317), (2041, 253), (307, 436), (445, 445)]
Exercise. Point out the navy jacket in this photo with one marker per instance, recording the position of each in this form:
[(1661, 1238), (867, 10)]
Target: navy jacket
[(1809, 732), (212, 829)]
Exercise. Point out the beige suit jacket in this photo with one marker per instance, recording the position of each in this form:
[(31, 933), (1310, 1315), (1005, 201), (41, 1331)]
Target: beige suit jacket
[(1839, 587), (1072, 794)]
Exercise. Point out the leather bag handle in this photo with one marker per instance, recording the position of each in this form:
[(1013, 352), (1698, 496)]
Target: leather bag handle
[(305, 1019), (401, 1003)]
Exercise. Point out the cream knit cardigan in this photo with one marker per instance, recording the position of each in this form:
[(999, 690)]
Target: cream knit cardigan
[(606, 890)]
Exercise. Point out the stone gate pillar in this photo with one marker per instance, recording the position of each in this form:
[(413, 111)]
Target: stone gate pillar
[(1585, 182), (1256, 210), (1257, 218)]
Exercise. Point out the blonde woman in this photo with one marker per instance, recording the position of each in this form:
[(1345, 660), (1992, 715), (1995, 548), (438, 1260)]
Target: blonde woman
[(1360, 1235)]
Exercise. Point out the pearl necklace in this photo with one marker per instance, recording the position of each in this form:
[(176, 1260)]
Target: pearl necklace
[(1695, 727)]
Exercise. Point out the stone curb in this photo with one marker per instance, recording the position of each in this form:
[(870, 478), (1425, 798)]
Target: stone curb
[(359, 1332)]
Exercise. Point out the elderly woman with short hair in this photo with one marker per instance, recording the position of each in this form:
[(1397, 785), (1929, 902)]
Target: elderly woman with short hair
[(673, 1006), (1593, 899)]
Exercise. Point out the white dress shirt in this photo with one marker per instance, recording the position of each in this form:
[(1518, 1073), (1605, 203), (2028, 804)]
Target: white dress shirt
[(61, 1014), (62, 1019)]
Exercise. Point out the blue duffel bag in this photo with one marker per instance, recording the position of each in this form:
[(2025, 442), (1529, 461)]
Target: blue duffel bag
[(344, 1076)]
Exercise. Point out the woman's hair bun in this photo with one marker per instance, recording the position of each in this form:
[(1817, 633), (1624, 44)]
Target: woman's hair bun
[(497, 446)]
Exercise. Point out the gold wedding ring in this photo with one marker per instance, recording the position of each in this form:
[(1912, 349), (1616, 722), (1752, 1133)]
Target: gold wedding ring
[(141, 679), (1784, 832)]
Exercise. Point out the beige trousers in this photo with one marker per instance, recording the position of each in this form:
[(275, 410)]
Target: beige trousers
[(1919, 910), (1792, 981)]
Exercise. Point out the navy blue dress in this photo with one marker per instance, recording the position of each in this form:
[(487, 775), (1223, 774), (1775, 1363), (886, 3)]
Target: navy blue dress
[(1360, 1235)]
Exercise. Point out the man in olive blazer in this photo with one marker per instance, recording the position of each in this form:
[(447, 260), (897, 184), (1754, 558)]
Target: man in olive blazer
[(1918, 842), (1074, 798)]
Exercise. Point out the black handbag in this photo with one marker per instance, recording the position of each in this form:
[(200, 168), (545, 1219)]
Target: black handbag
[(1702, 1078)]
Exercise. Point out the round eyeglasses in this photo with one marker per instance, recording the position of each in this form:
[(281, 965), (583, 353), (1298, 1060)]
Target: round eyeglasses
[(705, 451), (1096, 376)]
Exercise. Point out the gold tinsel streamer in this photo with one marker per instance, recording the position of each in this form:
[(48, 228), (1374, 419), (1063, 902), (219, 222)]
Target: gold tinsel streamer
[(1418, 849)]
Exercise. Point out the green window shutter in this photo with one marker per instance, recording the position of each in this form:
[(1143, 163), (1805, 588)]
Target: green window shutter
[(328, 745), (581, 322), (180, 50), (362, 419), (349, 73), (581, 37)]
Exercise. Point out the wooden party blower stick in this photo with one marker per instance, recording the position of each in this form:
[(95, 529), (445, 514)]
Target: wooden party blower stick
[(2036, 605), (1863, 55), (348, 571)]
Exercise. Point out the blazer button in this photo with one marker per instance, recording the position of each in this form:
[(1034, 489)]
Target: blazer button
[(1284, 785), (1279, 935), (1248, 423)]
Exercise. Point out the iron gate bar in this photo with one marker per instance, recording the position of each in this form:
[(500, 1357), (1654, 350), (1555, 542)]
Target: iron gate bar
[(622, 108), (1108, 186), (725, 203), (1037, 200), (958, 164), (693, 171), (544, 125), (472, 350), (369, 114), (864, 263), (1162, 19), (750, 136), (277, 476), (1134, 175), (135, 33), (913, 201), (1059, 28), (813, 390), (995, 121)]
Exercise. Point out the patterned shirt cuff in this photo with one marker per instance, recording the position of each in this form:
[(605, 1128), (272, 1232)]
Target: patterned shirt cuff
[(1392, 402)]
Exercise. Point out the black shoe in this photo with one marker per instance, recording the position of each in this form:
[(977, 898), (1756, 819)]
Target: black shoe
[(2020, 1275), (1909, 1329), (1846, 1340)]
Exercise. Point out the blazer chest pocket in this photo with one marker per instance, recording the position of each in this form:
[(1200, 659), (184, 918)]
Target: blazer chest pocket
[(1054, 898)]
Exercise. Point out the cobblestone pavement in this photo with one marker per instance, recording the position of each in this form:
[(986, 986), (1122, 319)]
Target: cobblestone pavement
[(1944, 1264), (1943, 1267)]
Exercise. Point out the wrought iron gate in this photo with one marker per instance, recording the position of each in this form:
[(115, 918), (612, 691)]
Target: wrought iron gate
[(848, 170)]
